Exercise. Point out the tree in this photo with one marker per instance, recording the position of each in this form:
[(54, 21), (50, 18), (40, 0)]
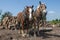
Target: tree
[(9, 14), (55, 21), (0, 14)]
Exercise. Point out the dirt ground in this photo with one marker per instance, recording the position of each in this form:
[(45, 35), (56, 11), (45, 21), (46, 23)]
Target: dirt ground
[(44, 35)]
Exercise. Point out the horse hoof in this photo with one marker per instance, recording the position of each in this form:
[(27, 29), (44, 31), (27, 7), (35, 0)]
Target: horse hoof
[(27, 35), (23, 35)]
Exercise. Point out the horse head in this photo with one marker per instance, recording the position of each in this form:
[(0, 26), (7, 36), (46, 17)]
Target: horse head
[(41, 8), (29, 11)]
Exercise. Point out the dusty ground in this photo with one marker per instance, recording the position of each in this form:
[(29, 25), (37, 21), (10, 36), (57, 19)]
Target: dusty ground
[(14, 35)]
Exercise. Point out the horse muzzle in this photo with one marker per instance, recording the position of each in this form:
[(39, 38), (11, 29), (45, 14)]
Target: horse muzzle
[(31, 18), (44, 11)]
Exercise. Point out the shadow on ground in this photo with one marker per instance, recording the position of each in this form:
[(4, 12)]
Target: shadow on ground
[(44, 34)]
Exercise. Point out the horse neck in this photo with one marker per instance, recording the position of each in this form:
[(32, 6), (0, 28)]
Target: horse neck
[(24, 13), (37, 12)]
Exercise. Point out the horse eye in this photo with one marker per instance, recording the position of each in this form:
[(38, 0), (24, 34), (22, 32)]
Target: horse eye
[(45, 7), (41, 6), (32, 10)]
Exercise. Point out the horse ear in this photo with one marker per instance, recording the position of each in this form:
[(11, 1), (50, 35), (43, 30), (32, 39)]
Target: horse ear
[(32, 6), (40, 2), (24, 7), (45, 6)]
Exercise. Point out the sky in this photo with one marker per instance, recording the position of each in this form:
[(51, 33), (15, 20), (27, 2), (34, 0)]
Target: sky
[(16, 6)]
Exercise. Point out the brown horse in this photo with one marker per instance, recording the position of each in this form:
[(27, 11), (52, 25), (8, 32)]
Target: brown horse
[(24, 16), (39, 14)]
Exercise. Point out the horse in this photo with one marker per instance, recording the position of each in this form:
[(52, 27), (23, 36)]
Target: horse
[(25, 16), (39, 15)]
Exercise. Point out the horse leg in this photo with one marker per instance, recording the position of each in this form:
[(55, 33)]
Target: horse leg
[(35, 26), (44, 22), (23, 29), (27, 27)]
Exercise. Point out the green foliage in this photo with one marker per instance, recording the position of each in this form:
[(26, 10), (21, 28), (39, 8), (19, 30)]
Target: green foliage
[(0, 12), (55, 21), (0, 15), (9, 14)]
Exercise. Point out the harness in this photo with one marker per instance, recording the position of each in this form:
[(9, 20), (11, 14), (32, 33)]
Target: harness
[(24, 14)]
